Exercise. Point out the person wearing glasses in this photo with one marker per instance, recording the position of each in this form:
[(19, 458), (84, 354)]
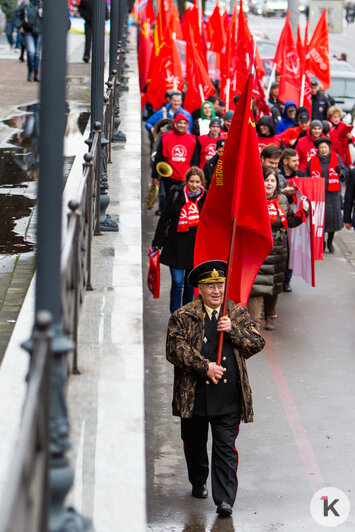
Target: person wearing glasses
[(206, 393)]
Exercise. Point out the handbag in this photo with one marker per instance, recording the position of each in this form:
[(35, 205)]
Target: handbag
[(153, 278)]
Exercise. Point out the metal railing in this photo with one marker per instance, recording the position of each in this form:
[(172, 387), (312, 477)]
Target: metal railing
[(30, 498), (25, 503)]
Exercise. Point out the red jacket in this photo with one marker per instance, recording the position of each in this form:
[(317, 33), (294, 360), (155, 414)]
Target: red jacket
[(290, 134), (340, 143), (208, 147), (178, 151), (306, 149)]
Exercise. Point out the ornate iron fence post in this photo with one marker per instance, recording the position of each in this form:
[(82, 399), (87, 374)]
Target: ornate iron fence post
[(48, 274), (97, 97)]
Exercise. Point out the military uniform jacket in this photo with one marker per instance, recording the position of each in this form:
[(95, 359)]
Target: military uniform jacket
[(184, 346)]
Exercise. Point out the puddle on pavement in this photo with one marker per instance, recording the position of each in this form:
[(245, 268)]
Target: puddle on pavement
[(19, 173)]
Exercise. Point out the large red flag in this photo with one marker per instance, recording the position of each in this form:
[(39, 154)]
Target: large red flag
[(166, 72), (288, 65), (145, 49), (199, 85), (319, 51), (237, 191), (216, 31)]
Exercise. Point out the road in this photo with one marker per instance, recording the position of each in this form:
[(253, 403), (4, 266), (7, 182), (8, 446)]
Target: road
[(303, 435)]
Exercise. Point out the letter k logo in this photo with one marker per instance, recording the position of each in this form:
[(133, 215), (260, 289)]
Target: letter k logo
[(327, 507)]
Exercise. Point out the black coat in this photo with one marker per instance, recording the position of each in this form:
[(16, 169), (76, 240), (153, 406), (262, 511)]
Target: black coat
[(320, 106), (349, 199), (332, 212), (209, 169), (178, 248)]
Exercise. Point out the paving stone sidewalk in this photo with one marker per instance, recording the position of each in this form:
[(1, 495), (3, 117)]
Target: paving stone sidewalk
[(16, 270)]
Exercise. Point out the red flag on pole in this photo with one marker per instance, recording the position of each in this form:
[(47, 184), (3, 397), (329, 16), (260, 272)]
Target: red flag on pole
[(288, 65), (319, 51), (237, 199), (145, 49), (216, 31), (166, 71), (199, 85)]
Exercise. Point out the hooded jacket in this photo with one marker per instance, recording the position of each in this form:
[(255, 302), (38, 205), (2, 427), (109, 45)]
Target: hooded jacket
[(33, 15), (286, 122), (272, 138)]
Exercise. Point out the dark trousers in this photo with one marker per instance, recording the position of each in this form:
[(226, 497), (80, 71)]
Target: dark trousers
[(225, 429), (88, 39)]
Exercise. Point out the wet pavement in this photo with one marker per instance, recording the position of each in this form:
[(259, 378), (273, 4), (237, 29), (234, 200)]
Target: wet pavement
[(19, 129)]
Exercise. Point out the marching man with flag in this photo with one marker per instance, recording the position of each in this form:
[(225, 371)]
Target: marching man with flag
[(210, 338)]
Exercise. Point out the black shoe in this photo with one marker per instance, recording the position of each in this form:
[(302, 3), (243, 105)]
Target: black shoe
[(287, 287), (200, 492), (30, 74), (158, 212), (224, 509), (86, 59), (330, 247), (36, 78)]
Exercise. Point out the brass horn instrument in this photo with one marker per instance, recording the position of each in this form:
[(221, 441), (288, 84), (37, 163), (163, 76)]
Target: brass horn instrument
[(152, 196), (164, 169)]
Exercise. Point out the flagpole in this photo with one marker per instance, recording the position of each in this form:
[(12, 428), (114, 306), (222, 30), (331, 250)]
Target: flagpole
[(302, 89), (228, 89), (272, 76), (226, 287), (201, 93)]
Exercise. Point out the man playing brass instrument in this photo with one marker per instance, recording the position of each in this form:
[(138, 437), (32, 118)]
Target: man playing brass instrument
[(179, 149)]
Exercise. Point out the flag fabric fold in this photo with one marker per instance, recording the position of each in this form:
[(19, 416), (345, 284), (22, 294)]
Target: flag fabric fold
[(288, 65), (319, 51), (237, 191)]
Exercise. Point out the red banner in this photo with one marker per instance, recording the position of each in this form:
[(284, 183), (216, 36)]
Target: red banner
[(314, 189)]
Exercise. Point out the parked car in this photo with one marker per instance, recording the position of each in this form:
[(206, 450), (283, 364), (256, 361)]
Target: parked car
[(267, 51), (340, 66), (274, 7), (256, 7), (342, 89)]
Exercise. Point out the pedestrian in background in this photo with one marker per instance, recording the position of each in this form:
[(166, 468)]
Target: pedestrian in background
[(8, 7), (85, 10), (28, 17)]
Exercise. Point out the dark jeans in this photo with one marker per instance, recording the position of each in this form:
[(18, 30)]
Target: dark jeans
[(88, 39), (225, 429), (181, 291), (33, 43), (10, 26)]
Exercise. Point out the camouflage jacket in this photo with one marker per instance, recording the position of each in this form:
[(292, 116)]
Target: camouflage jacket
[(183, 350)]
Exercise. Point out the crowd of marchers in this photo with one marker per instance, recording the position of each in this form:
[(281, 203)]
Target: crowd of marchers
[(185, 151)]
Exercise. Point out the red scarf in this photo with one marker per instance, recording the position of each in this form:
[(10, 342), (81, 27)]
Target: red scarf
[(333, 178), (275, 208), (189, 214)]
